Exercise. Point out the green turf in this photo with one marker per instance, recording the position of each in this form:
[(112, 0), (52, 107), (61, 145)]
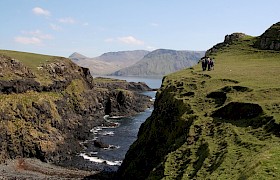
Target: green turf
[(229, 149)]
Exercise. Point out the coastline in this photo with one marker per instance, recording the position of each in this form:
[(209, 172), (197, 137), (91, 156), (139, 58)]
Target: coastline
[(28, 168)]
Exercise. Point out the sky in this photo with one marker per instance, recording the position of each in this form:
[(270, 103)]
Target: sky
[(94, 27)]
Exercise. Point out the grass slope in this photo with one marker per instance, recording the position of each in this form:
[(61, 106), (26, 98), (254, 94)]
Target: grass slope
[(230, 149), (220, 124), (29, 59)]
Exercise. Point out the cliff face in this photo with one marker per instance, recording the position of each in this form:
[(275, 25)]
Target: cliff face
[(270, 39), (219, 124), (49, 104)]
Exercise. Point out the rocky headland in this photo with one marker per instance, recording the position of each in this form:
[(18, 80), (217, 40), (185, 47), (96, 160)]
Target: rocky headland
[(49, 104)]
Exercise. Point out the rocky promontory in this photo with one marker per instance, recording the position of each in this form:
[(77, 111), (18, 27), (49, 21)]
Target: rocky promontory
[(49, 104)]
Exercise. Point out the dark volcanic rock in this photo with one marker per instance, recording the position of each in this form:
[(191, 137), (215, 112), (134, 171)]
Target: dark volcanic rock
[(116, 83), (100, 144)]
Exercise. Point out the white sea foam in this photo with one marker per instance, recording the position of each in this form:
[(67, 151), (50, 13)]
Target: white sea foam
[(107, 133), (112, 147), (98, 160), (96, 130)]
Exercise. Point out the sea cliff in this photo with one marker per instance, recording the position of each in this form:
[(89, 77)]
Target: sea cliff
[(218, 124), (49, 104)]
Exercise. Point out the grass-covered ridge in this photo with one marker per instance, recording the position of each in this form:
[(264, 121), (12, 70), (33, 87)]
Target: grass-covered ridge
[(232, 148), (43, 68), (219, 124), (31, 60)]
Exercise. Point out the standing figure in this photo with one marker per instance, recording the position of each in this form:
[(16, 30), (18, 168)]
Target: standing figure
[(212, 64), (208, 63), (203, 63)]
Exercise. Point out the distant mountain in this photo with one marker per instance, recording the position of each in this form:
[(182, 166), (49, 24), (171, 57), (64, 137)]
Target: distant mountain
[(77, 57), (108, 62), (161, 62), (123, 58)]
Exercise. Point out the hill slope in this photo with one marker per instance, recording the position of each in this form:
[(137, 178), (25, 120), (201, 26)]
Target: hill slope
[(108, 62), (161, 62), (221, 124), (122, 58)]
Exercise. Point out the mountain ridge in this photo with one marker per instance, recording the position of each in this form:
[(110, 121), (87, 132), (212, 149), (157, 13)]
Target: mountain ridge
[(161, 62), (108, 62)]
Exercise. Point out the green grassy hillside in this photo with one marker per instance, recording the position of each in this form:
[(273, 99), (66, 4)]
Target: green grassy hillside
[(219, 124)]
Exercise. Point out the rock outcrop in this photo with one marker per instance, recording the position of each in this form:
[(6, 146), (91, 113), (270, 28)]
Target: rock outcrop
[(229, 39), (270, 39), (48, 106)]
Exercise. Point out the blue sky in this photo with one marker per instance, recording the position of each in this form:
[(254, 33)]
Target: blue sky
[(93, 27)]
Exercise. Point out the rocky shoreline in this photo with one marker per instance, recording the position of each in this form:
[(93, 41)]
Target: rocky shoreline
[(27, 168)]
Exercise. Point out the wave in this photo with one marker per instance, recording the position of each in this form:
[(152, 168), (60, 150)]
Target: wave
[(107, 133), (96, 129), (99, 160), (111, 147)]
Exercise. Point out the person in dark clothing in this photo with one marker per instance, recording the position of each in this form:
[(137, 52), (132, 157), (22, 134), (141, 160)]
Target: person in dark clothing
[(203, 63)]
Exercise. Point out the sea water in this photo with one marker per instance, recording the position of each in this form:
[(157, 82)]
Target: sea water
[(118, 138)]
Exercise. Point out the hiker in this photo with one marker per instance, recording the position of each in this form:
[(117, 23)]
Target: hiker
[(203, 63), (208, 60), (212, 64)]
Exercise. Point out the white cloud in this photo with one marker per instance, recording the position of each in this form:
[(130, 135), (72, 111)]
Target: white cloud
[(40, 11), (28, 40), (55, 27), (38, 34), (130, 40), (33, 37), (67, 20)]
